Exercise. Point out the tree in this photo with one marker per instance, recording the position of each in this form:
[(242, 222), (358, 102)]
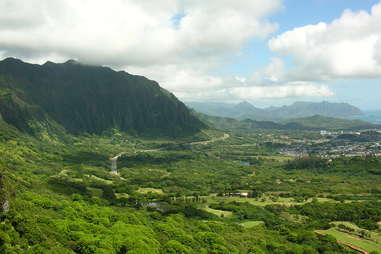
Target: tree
[(174, 247)]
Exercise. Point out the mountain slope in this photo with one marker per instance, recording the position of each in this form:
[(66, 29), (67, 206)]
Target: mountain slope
[(316, 122), (225, 110), (322, 122), (245, 110), (305, 109), (89, 99)]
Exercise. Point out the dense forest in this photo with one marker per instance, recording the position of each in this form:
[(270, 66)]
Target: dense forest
[(63, 199)]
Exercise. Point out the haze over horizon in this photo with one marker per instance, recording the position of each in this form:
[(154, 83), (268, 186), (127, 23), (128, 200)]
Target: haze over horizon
[(268, 54)]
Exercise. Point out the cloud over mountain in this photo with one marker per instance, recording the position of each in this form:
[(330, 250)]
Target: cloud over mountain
[(178, 43)]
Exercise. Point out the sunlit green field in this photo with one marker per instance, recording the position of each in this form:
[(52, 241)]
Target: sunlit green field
[(250, 224), (148, 190), (264, 201), (375, 236), (219, 213), (349, 239)]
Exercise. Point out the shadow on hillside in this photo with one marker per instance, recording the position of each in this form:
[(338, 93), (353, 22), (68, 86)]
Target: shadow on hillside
[(87, 157)]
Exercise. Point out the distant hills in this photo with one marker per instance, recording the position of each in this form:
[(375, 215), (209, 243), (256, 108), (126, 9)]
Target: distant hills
[(79, 98), (330, 123), (312, 123), (245, 110), (370, 116)]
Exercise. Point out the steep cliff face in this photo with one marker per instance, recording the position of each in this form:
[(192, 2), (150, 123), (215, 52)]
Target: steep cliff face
[(4, 201), (89, 99)]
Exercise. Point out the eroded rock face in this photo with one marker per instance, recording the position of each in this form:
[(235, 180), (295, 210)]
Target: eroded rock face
[(4, 202), (5, 206)]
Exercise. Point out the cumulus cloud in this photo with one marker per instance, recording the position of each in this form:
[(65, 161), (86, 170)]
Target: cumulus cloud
[(292, 89), (194, 85), (131, 32), (348, 47), (176, 42), (281, 91)]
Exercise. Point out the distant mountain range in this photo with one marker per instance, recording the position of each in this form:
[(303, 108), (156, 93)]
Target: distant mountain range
[(245, 110), (77, 98), (314, 123), (370, 116)]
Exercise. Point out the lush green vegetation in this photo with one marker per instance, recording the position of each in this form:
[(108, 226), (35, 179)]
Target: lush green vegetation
[(176, 199), (211, 192), (93, 99)]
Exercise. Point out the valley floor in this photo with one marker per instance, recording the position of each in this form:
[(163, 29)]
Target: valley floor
[(224, 193)]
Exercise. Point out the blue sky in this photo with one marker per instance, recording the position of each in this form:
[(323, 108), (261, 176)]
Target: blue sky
[(269, 52), (364, 93)]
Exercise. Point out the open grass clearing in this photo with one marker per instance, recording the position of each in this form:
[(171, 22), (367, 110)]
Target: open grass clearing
[(262, 201), (353, 240), (122, 195), (219, 213), (373, 235), (148, 190), (250, 224)]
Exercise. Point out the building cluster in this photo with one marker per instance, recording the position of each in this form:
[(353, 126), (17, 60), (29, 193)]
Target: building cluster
[(347, 144)]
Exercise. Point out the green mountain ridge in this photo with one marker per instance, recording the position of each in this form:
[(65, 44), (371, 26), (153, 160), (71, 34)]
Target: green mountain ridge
[(323, 122), (316, 122), (245, 110), (88, 99)]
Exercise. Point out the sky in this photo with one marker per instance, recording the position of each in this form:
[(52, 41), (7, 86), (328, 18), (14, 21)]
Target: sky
[(271, 52)]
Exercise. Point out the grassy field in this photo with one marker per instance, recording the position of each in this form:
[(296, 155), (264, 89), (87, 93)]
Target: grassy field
[(122, 195), (376, 237), (353, 240), (250, 224), (263, 201), (148, 190), (219, 213)]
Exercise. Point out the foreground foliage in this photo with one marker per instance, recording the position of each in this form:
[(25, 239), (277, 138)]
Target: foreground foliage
[(64, 200)]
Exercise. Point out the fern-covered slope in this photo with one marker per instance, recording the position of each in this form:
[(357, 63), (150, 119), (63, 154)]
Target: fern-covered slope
[(90, 99)]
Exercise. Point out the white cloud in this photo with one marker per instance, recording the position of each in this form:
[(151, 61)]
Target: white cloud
[(255, 93), (193, 85), (141, 37), (349, 47), (131, 32), (272, 74), (292, 89)]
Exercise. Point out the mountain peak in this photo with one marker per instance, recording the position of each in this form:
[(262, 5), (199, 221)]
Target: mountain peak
[(72, 62), (244, 103), (298, 109), (92, 100), (11, 60)]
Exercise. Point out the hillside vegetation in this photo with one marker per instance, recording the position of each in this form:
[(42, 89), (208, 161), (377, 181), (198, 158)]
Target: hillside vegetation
[(88, 99), (62, 199)]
